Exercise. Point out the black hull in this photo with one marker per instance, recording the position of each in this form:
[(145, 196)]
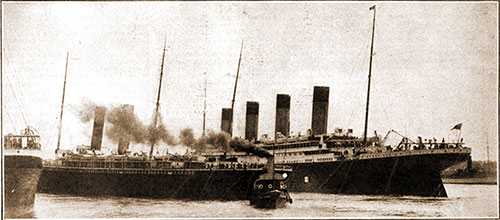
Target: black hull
[(179, 184), (271, 200), (417, 175), (21, 175)]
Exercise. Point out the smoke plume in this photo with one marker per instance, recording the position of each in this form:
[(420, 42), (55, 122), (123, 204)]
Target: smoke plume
[(187, 137), (239, 145), (125, 126), (159, 133), (86, 111), (222, 142), (214, 140)]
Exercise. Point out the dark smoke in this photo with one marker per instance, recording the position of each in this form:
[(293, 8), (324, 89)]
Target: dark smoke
[(212, 140), (187, 137), (86, 111), (160, 133), (220, 141), (201, 145), (239, 145), (125, 126)]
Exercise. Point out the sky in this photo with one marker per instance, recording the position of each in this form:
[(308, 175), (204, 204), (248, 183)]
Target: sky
[(435, 65)]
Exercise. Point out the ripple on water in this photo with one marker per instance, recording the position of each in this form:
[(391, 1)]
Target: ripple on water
[(463, 201)]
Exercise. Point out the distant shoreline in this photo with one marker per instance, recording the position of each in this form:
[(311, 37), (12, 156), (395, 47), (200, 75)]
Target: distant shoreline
[(483, 181)]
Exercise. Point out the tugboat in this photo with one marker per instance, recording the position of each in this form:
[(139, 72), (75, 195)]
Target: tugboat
[(270, 190), (22, 169)]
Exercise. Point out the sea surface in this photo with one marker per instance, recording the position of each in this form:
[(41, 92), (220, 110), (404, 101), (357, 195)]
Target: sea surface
[(463, 201)]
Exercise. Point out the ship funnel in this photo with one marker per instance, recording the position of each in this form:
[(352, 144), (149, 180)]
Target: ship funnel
[(282, 115), (227, 116), (97, 131), (124, 141), (252, 121), (320, 110)]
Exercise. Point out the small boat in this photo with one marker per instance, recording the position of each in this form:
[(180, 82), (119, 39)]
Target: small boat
[(270, 191)]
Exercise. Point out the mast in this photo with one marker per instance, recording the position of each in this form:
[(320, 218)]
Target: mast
[(487, 149), (369, 76), (205, 104), (155, 117), (273, 164), (234, 93), (62, 104)]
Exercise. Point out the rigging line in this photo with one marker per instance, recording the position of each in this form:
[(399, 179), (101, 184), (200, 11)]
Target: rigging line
[(209, 180), (47, 141), (23, 104), (51, 134), (331, 174), (345, 177), (355, 110), (10, 119), (14, 94), (388, 185), (384, 111)]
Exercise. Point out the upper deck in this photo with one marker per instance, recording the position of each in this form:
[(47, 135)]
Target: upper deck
[(327, 148), (27, 140)]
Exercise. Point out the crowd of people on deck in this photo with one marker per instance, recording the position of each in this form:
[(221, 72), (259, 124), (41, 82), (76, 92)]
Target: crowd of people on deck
[(17, 143), (235, 165), (426, 144)]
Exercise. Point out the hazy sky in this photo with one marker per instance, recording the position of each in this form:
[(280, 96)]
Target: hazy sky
[(435, 65)]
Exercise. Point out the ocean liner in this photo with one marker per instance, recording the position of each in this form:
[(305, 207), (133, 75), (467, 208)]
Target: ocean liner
[(22, 168), (345, 164), (342, 163), (216, 177)]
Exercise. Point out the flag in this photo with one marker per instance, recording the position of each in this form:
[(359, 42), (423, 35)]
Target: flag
[(458, 127), (372, 8)]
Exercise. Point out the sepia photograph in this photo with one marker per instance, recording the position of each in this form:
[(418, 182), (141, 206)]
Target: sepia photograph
[(236, 109)]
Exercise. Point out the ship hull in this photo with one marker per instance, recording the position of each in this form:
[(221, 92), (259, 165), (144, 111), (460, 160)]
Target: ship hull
[(416, 174), (21, 175), (174, 184)]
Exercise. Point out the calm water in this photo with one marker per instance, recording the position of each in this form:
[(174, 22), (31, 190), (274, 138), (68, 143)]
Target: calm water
[(463, 201)]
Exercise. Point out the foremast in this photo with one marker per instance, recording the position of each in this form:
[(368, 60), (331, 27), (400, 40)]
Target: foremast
[(234, 92), (369, 76), (155, 116), (62, 104)]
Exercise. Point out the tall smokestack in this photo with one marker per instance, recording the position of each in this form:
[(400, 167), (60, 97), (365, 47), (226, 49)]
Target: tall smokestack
[(100, 113), (282, 114), (124, 142), (252, 121), (320, 110), (225, 125)]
